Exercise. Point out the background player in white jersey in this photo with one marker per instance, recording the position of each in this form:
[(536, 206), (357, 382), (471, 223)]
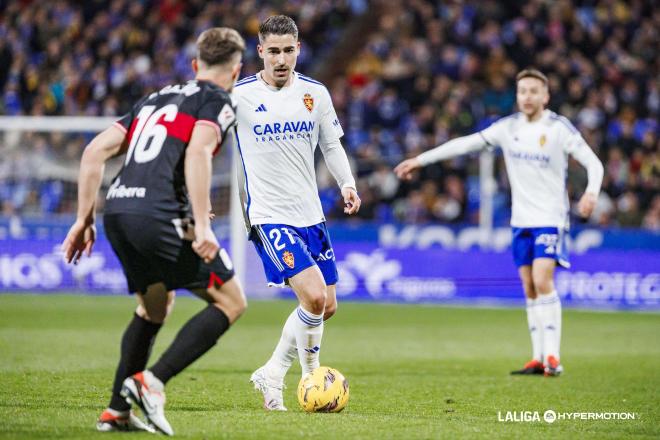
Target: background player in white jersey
[(536, 143), (282, 117)]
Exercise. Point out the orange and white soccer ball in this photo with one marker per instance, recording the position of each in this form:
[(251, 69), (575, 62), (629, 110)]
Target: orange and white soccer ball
[(323, 390)]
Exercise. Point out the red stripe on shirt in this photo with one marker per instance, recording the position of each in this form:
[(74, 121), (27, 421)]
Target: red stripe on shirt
[(131, 129), (181, 127)]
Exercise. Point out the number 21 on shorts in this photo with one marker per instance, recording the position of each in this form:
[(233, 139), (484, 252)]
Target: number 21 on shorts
[(276, 236)]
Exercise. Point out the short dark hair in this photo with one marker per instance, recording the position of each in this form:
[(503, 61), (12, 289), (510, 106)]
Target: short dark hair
[(218, 45), (532, 73), (278, 25)]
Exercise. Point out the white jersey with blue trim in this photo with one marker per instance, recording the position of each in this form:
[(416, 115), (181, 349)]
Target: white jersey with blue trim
[(536, 158), (277, 133)]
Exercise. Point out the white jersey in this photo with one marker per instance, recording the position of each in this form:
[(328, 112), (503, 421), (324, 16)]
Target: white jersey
[(536, 158), (277, 133)]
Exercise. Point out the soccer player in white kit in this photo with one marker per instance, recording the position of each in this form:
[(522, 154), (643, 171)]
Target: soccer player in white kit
[(282, 116), (536, 143)]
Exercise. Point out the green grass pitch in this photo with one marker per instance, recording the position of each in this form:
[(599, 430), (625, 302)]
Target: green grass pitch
[(415, 372)]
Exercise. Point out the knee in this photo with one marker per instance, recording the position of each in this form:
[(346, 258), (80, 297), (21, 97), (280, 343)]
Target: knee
[(542, 285), (241, 306), (156, 316), (330, 309), (530, 290), (233, 308), (317, 302)]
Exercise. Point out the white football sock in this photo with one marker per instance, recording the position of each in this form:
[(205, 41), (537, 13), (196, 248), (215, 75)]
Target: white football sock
[(548, 308), (285, 351), (535, 330), (309, 332)]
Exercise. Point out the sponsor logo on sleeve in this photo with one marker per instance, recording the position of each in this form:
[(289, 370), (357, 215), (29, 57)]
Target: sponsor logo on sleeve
[(226, 117)]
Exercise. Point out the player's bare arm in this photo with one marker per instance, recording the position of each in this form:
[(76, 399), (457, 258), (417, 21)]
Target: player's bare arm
[(199, 154), (82, 235)]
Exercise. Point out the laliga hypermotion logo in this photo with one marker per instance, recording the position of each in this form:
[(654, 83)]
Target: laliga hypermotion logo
[(288, 259), (309, 102)]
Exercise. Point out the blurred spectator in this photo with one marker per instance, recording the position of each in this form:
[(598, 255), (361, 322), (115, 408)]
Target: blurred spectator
[(628, 210), (97, 58), (603, 71), (602, 213), (92, 58), (652, 218)]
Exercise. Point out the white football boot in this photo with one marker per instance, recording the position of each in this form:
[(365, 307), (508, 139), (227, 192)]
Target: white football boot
[(272, 391), (144, 390), (112, 421)]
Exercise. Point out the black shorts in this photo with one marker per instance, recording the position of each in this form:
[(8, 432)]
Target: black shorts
[(153, 250)]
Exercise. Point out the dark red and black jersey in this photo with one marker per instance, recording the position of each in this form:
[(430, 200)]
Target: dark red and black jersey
[(158, 131)]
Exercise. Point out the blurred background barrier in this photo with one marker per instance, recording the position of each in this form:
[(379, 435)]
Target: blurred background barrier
[(404, 75), (388, 263)]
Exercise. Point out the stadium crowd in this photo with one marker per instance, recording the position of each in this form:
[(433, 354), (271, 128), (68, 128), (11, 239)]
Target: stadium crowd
[(429, 71)]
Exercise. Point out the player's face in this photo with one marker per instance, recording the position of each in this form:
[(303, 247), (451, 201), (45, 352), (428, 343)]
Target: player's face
[(279, 53), (532, 96)]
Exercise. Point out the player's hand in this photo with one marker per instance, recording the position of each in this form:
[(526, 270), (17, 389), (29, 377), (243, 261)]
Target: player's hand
[(205, 244), (586, 204), (352, 201), (79, 241), (405, 169)]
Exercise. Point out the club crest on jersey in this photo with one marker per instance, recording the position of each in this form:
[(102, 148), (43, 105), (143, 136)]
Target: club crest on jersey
[(542, 140), (288, 259), (309, 102)]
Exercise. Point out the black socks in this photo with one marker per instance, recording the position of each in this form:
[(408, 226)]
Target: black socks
[(194, 339), (135, 350)]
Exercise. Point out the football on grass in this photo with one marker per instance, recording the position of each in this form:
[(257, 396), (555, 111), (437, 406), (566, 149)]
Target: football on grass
[(323, 390)]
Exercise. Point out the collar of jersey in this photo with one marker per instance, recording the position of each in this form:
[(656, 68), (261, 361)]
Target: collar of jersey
[(275, 89), (210, 83), (544, 116)]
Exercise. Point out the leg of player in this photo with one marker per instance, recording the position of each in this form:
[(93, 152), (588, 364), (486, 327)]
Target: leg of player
[(549, 309), (269, 379), (522, 246), (155, 305), (301, 335), (226, 304), (535, 365), (330, 302), (136, 347), (311, 291)]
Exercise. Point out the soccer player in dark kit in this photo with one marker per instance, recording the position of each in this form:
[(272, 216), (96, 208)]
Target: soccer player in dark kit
[(157, 220)]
